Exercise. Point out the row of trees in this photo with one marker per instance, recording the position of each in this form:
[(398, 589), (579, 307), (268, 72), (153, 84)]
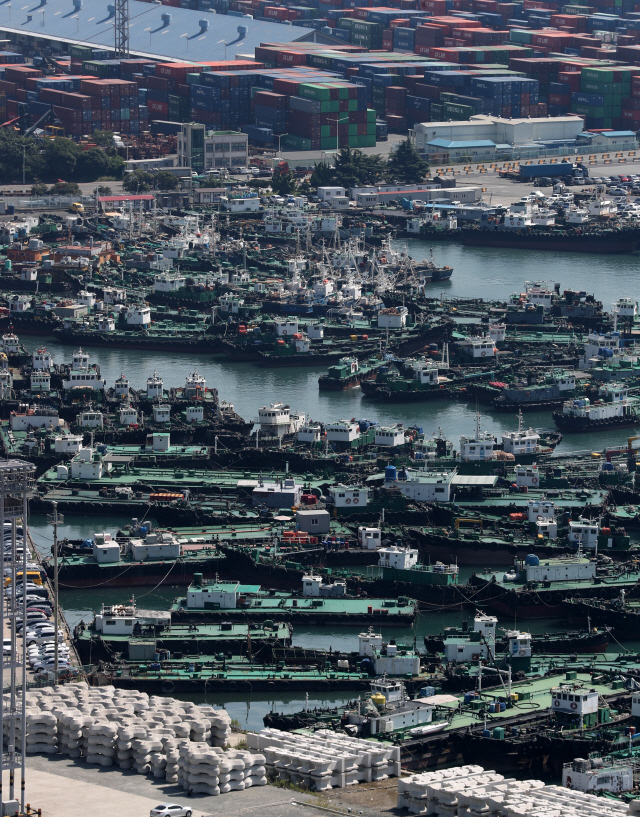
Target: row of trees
[(52, 159), (141, 182), (353, 168)]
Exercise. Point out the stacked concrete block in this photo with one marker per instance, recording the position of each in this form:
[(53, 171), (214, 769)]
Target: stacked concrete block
[(199, 769), (42, 733), (70, 725), (325, 759), (470, 791), (99, 745)]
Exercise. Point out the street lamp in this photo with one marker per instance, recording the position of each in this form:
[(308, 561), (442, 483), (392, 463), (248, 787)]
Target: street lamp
[(187, 36), (149, 30), (337, 121)]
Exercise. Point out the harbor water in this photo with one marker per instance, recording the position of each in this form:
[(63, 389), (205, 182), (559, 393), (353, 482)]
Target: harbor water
[(479, 272), (489, 273)]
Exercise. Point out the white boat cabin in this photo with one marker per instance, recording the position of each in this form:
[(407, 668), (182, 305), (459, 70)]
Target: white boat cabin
[(398, 558), (161, 414), (389, 436), (41, 361), (369, 538), (584, 532), (349, 496), (40, 382), (90, 419), (154, 386), (478, 347)]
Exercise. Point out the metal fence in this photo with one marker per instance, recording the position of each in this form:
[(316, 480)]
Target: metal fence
[(51, 202), (534, 152)]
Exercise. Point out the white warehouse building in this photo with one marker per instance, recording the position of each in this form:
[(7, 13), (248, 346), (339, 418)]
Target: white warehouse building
[(499, 131)]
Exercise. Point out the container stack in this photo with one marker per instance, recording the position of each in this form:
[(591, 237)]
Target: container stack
[(631, 106), (601, 95)]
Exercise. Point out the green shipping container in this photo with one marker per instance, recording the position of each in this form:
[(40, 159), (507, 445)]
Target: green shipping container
[(371, 115), (296, 142), (312, 91), (83, 52), (96, 69)]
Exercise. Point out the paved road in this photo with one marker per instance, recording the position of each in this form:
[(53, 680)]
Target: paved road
[(498, 191), (502, 191), (62, 787)]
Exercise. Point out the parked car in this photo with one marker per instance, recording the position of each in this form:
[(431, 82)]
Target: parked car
[(170, 810)]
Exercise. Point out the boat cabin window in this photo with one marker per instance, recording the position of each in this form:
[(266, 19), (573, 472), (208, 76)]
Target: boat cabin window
[(110, 621)]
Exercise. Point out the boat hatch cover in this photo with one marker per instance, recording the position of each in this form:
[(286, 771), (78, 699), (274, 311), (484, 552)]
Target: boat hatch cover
[(488, 480)]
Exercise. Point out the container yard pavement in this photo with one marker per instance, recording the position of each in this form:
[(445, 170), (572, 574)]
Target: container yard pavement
[(63, 787)]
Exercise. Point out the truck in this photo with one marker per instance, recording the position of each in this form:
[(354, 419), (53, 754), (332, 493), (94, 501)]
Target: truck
[(526, 173)]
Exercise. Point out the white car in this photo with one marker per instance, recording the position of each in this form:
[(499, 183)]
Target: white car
[(42, 639), (170, 810), (50, 664)]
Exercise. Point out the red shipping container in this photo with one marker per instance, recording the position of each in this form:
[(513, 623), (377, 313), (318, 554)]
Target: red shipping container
[(290, 87), (401, 22), (270, 99), (20, 73), (291, 58), (437, 6), (633, 116), (157, 107), (361, 13)]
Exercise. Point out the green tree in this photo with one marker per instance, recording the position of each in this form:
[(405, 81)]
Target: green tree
[(138, 182), (65, 189), (104, 190), (167, 181), (322, 176), (405, 165), (61, 156), (91, 164), (13, 148), (103, 138), (116, 165), (283, 184), (39, 189), (259, 184)]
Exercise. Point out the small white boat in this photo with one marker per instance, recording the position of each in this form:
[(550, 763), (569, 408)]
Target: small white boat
[(429, 729)]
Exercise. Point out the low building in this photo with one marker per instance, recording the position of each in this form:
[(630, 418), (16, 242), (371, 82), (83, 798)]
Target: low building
[(241, 205), (423, 486), (448, 149), (315, 522), (280, 494), (144, 201), (499, 130), (201, 149), (208, 195)]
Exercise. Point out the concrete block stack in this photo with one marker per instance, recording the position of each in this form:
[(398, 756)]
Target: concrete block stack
[(470, 789), (325, 759)]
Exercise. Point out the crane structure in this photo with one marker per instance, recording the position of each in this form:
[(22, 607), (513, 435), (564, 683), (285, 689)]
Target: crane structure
[(121, 28)]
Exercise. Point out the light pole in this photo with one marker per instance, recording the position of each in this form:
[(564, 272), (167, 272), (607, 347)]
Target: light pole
[(337, 121), (55, 519), (279, 137), (149, 30), (187, 36)]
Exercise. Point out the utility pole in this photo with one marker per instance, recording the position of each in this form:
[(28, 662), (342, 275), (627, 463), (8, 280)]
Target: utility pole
[(55, 519), (24, 164)]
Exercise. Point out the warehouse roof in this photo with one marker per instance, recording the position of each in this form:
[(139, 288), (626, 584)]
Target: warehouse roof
[(469, 143), (92, 25), (617, 133)]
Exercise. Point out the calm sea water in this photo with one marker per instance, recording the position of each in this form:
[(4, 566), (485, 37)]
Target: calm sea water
[(478, 272)]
